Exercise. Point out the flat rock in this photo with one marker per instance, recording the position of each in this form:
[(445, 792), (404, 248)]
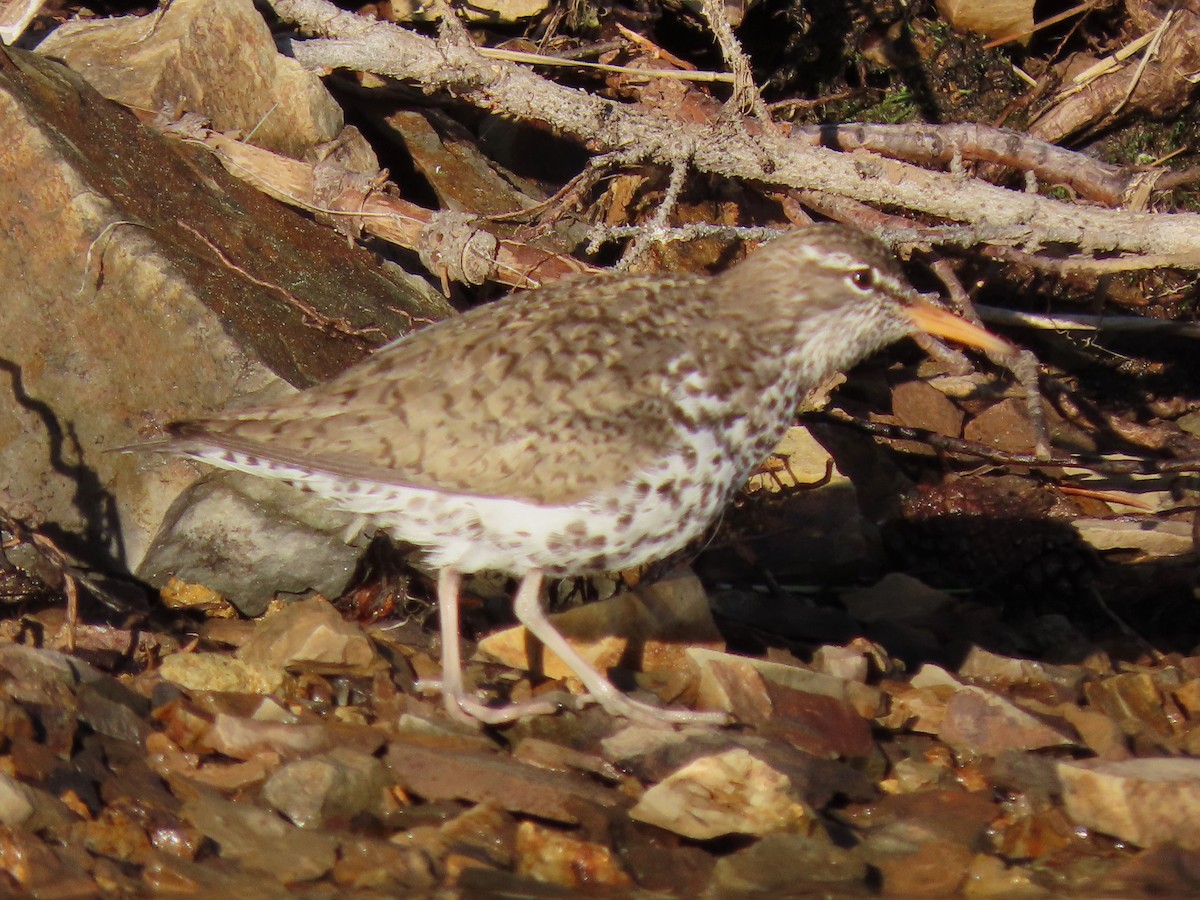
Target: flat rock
[(260, 840), (729, 793), (1148, 802), (312, 636), (552, 857), (663, 620), (214, 57), (446, 773), (145, 284), (787, 864), (340, 783), (986, 723), (221, 672)]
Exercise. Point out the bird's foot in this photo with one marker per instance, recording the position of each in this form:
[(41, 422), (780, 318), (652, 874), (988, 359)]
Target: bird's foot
[(463, 707)]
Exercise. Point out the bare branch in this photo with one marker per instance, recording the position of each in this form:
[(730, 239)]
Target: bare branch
[(993, 214)]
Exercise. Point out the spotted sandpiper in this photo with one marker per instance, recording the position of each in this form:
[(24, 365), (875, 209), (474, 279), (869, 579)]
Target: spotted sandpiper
[(590, 426)]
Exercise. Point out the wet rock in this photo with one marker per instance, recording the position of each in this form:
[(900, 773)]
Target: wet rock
[(1167, 871), (555, 858), (1134, 701), (554, 756), (165, 874), (930, 869), (27, 807), (221, 672), (723, 675), (485, 830), (731, 793), (243, 738), (660, 861), (260, 840), (338, 784), (998, 671), (366, 864), (312, 636), (986, 723), (440, 773), (1149, 802), (35, 869), (788, 864), (114, 710), (662, 620)]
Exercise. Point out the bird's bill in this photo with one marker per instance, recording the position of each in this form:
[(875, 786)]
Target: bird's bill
[(945, 324)]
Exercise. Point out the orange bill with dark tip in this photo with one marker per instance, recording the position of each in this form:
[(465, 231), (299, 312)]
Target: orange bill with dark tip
[(945, 324)]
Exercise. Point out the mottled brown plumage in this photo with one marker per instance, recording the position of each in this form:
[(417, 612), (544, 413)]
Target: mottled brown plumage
[(588, 426)]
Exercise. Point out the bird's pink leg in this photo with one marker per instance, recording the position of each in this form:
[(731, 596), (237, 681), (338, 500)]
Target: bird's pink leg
[(528, 609), (459, 704)]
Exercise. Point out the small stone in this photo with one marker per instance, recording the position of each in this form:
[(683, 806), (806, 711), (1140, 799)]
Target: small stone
[(221, 672), (730, 793), (337, 784), (313, 637), (986, 723), (260, 840), (555, 858), (788, 865), (1148, 802)]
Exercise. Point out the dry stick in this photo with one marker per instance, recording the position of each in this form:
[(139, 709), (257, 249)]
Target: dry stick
[(1045, 23), (1073, 265), (749, 99), (994, 214), (950, 445), (921, 143), (653, 230), (539, 59), (1151, 52), (382, 214), (1088, 322), (745, 90)]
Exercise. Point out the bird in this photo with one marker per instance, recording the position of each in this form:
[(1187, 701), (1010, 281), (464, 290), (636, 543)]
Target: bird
[(588, 426)]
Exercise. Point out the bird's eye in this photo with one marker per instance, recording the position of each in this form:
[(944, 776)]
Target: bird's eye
[(863, 279)]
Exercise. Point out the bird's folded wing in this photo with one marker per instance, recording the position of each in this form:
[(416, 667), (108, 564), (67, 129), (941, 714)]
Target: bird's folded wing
[(550, 401)]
